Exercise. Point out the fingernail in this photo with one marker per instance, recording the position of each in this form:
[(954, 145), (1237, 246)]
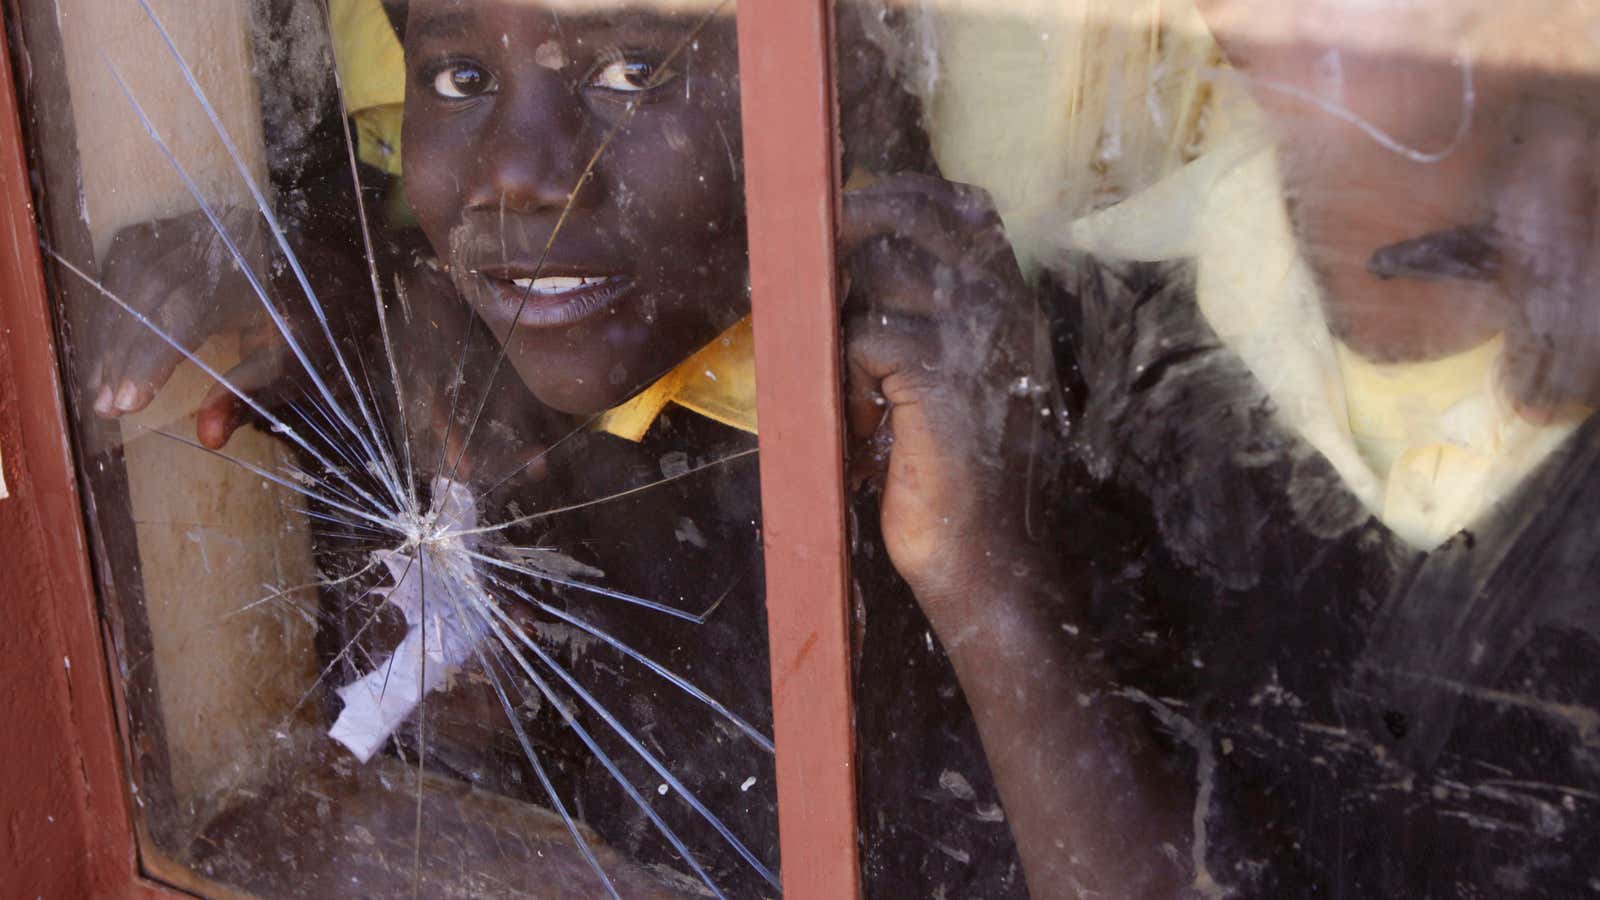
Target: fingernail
[(103, 403), (212, 434), (128, 396)]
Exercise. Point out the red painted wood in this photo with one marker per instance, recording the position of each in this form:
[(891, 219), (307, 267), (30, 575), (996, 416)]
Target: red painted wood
[(68, 832), (790, 183)]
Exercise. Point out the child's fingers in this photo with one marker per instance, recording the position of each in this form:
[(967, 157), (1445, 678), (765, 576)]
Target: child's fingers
[(929, 247), (954, 224), (876, 347), (139, 361), (891, 359), (911, 216), (175, 273), (915, 322), (133, 360), (929, 362), (971, 306), (221, 413), (128, 275), (893, 276), (970, 205), (219, 416), (147, 360)]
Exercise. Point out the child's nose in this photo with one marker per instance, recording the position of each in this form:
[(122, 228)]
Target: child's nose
[(535, 149)]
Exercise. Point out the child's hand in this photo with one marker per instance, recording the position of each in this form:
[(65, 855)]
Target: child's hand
[(944, 383), (942, 341), (178, 273)]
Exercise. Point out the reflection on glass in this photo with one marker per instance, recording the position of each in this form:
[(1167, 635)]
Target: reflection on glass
[(1286, 586), (410, 346)]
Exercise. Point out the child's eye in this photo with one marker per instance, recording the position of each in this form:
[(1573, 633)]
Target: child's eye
[(462, 80), (629, 76)]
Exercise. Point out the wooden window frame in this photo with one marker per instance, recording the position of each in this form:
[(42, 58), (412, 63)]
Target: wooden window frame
[(66, 798)]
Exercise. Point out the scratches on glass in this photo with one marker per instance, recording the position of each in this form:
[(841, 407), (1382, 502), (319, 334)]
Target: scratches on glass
[(437, 585)]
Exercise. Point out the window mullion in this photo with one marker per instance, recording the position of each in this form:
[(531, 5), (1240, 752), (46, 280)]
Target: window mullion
[(789, 139)]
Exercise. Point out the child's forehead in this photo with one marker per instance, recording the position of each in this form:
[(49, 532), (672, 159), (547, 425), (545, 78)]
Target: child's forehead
[(430, 21)]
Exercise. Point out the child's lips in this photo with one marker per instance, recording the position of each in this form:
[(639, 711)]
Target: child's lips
[(549, 301)]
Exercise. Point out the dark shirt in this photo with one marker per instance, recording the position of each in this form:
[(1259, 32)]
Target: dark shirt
[(1362, 719)]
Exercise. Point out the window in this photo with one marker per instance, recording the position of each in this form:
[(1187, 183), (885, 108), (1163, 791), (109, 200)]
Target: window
[(1234, 484), (1000, 448), (316, 677)]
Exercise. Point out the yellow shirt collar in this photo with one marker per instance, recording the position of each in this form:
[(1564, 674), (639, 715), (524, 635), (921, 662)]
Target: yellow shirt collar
[(718, 382), (1443, 434), (372, 78), (1426, 447)]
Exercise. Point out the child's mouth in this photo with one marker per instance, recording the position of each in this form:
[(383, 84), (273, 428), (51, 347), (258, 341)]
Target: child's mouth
[(549, 301)]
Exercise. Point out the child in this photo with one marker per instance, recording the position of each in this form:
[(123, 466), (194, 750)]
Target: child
[(1338, 462)]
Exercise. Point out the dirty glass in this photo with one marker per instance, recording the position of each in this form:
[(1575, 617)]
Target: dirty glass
[(408, 352), (1220, 377)]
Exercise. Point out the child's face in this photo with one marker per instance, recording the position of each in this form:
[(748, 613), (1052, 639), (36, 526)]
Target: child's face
[(1391, 66), (1351, 195), (506, 103)]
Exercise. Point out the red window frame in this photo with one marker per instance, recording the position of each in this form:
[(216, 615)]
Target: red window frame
[(790, 146), (72, 829)]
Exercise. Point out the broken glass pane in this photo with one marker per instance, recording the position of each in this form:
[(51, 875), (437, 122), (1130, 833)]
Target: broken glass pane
[(409, 351), (1221, 377)]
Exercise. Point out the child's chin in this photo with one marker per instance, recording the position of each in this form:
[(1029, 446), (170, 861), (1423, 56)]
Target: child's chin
[(577, 398)]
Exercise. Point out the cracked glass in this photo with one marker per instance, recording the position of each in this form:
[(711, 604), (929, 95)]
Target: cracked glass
[(408, 347)]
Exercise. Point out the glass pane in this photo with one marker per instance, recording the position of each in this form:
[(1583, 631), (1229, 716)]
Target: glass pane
[(1220, 387), (409, 351)]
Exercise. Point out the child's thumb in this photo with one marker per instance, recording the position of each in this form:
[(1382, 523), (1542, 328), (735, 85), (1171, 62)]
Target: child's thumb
[(223, 410)]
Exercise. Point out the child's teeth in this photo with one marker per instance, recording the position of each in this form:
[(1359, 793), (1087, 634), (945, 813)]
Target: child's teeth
[(553, 284)]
